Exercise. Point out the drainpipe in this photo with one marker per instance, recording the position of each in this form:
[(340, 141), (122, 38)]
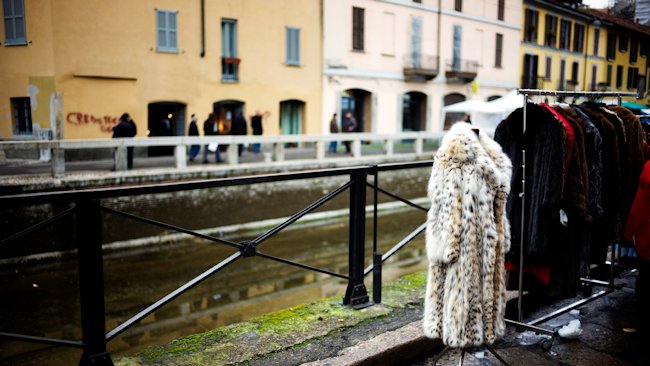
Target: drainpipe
[(439, 18), (202, 28)]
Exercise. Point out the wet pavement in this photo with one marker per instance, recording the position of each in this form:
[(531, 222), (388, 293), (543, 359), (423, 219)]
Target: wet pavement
[(610, 336)]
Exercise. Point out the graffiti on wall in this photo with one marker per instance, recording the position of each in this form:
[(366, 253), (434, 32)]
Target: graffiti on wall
[(105, 123)]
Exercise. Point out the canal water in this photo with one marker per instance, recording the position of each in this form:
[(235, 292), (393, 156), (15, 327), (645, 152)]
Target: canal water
[(143, 263)]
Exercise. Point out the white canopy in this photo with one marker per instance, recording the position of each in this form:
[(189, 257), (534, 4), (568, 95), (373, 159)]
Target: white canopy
[(483, 114), (509, 102)]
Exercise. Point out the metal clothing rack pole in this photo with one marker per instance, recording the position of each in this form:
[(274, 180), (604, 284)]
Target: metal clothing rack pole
[(526, 93)]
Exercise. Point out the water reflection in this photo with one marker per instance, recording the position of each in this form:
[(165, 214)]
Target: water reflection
[(44, 299)]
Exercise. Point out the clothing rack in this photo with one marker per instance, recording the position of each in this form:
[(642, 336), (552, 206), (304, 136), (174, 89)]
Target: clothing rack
[(532, 324)]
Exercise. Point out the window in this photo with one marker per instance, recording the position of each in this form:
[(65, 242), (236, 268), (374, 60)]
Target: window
[(498, 57), (416, 41), (619, 76), (167, 31), (14, 16), (530, 26), (458, 5), (594, 76), (551, 31), (643, 49), (596, 41), (21, 115), (575, 67), (632, 77), (562, 82), (357, 28), (455, 62), (293, 46), (229, 60), (622, 43), (565, 34), (608, 80), (634, 46), (501, 9), (578, 37), (548, 68), (611, 46)]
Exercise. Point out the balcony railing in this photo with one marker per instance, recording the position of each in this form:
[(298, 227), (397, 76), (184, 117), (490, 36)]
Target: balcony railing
[(463, 71), (419, 67), (532, 82)]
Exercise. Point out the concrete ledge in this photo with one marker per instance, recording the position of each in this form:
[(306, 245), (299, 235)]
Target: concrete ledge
[(389, 348)]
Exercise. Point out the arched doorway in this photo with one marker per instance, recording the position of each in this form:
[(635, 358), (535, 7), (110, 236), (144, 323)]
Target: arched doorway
[(165, 119), (414, 111), (359, 102), (451, 118), (292, 117), (224, 112)]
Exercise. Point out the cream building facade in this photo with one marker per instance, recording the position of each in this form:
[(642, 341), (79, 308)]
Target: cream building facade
[(395, 63), (157, 60)]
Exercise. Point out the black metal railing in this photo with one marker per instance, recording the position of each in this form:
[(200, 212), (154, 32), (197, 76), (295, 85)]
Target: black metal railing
[(87, 209)]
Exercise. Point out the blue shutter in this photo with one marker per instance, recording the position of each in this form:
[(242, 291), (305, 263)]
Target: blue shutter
[(456, 52), (166, 31), (293, 46), (14, 20), (416, 41), (172, 40)]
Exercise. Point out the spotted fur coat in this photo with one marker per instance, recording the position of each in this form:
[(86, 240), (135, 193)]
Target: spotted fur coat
[(467, 236)]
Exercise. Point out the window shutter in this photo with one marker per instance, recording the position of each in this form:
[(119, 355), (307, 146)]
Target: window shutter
[(171, 30), (416, 41), (14, 21), (293, 46), (161, 25), (456, 50)]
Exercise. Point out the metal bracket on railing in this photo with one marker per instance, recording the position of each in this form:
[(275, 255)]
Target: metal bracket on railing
[(248, 248)]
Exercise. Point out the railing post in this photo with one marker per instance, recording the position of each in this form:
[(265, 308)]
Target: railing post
[(319, 154), (233, 154), (120, 158), (356, 148), (278, 151), (91, 283), (58, 162), (419, 145), (180, 154), (389, 147), (356, 293)]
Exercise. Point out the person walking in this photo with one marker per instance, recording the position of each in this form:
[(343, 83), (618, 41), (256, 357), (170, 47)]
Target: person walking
[(193, 131), (239, 128), (210, 128), (125, 128), (334, 128), (349, 125), (256, 125)]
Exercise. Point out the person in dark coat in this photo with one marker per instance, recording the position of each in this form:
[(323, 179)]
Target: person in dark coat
[(256, 125), (239, 128), (126, 128), (210, 128), (193, 131), (349, 125)]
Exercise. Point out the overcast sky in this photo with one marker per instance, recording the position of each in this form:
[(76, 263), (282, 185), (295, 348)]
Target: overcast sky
[(598, 4)]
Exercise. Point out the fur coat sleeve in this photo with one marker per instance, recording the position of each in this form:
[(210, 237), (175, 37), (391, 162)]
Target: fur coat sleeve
[(466, 239)]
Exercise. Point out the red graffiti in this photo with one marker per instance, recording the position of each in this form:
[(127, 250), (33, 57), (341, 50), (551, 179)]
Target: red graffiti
[(105, 123)]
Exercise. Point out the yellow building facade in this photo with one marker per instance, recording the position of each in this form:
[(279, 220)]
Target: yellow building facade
[(558, 48), (158, 60), (577, 49)]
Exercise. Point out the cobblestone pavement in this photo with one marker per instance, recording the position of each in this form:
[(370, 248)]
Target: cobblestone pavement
[(609, 336)]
